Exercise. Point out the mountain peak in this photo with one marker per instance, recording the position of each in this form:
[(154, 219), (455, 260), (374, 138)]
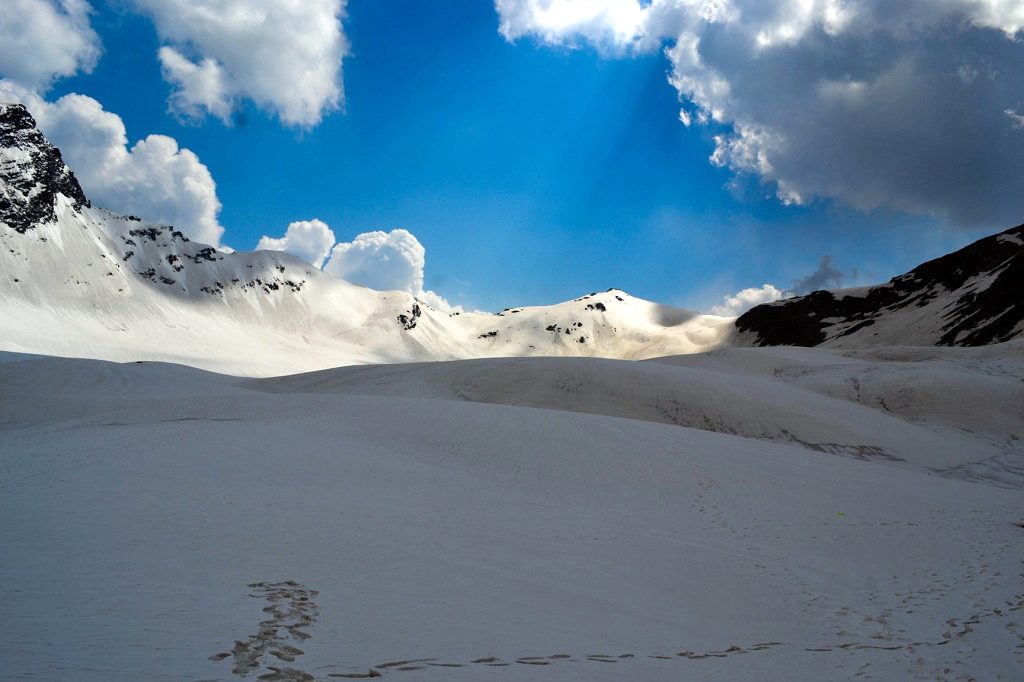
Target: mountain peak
[(32, 172)]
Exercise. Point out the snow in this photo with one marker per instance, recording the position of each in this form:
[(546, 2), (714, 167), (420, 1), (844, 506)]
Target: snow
[(85, 282), (515, 508), (94, 284)]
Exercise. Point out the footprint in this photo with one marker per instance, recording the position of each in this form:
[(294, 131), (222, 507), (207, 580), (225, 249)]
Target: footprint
[(357, 676), (398, 664), (285, 675), (291, 608)]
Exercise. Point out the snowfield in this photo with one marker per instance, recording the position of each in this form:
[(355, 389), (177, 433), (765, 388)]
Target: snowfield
[(745, 514)]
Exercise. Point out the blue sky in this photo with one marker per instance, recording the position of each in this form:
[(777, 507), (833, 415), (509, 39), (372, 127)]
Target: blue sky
[(531, 172)]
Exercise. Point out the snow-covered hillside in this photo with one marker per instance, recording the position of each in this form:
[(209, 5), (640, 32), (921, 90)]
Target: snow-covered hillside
[(967, 298), (76, 280), (749, 514)]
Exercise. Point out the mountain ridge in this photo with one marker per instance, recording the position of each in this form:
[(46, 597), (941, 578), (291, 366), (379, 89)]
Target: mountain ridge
[(78, 280), (969, 297), (39, 167)]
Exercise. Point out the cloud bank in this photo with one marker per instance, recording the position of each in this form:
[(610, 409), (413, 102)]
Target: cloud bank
[(310, 240), (385, 261), (825, 276), (916, 105), (744, 300), (154, 178), (283, 56)]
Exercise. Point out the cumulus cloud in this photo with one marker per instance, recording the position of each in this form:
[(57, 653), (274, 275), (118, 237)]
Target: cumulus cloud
[(284, 56), (154, 179), (911, 105), (744, 300), (200, 87), (826, 276), (608, 23), (385, 261), (42, 40), (310, 240)]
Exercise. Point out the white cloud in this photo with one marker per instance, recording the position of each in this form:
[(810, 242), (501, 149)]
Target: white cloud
[(605, 22), (42, 40), (310, 240), (154, 179), (284, 56), (435, 300), (825, 276), (1016, 120), (744, 300), (385, 261), (200, 87), (877, 104)]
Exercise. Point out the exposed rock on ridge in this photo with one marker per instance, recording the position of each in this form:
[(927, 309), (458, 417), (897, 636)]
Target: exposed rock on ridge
[(971, 297), (32, 172)]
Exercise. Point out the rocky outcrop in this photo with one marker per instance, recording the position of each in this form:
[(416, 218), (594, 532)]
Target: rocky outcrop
[(972, 297), (32, 172)]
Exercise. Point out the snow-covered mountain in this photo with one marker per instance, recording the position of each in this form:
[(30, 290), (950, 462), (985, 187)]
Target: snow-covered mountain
[(76, 280), (971, 297)]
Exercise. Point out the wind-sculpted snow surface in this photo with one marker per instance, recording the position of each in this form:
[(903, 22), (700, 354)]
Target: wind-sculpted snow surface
[(747, 514), (891, 405)]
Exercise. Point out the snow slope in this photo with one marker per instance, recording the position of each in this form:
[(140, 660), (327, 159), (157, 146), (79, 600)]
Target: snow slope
[(563, 529), (79, 281), (897, 409)]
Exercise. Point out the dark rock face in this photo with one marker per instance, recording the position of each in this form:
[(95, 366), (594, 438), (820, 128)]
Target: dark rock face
[(408, 322), (32, 172), (977, 294)]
